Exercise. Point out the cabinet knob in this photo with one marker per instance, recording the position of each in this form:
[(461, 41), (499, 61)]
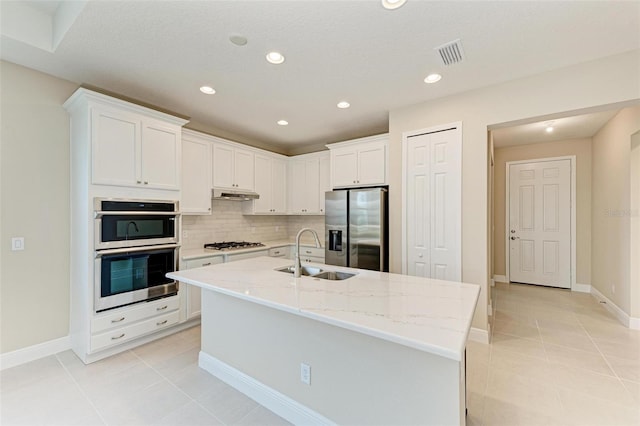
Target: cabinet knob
[(138, 181), (146, 182)]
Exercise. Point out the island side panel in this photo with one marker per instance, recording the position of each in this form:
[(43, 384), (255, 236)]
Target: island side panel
[(355, 379)]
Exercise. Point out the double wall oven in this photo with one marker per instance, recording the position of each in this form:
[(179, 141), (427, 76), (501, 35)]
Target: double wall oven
[(136, 245)]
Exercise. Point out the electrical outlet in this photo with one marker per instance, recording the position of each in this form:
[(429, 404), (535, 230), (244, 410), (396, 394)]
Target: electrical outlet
[(17, 243), (185, 235), (305, 373)]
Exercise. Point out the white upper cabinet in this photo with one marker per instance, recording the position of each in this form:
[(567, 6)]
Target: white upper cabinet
[(131, 149), (196, 174), (306, 195), (233, 167), (325, 179), (270, 184), (360, 162)]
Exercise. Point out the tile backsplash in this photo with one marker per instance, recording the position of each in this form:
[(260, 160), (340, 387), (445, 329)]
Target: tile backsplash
[(227, 223)]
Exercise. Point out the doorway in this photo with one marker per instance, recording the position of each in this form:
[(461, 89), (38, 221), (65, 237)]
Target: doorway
[(539, 234)]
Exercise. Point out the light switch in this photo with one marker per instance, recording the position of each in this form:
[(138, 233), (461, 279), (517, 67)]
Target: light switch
[(17, 243)]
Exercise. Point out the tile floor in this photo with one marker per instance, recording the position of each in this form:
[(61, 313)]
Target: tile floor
[(556, 358)]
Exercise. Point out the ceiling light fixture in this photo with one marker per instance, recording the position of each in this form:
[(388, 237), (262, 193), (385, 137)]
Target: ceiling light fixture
[(283, 123), (207, 90), (275, 58), (238, 40), (549, 127), (393, 4), (432, 78), (343, 104)]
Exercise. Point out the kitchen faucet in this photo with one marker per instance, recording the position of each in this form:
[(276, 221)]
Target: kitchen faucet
[(297, 266)]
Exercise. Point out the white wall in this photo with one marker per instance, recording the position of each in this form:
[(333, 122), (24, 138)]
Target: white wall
[(34, 283), (568, 89), (611, 208)]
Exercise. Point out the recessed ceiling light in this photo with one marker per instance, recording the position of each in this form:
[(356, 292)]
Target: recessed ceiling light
[(283, 123), (343, 104), (275, 57), (549, 126), (238, 40), (432, 78), (393, 4), (208, 90)]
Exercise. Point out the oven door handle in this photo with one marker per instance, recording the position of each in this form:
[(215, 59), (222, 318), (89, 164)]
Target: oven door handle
[(100, 253), (99, 213)]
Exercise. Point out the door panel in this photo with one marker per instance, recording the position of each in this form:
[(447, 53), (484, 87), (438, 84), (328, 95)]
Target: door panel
[(540, 223), (433, 205)]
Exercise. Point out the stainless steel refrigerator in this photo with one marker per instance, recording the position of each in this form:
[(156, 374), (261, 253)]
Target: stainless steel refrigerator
[(356, 228)]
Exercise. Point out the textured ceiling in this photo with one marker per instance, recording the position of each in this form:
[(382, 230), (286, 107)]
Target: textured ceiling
[(161, 52)]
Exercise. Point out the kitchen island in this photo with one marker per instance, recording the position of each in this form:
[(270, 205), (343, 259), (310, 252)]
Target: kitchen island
[(381, 348)]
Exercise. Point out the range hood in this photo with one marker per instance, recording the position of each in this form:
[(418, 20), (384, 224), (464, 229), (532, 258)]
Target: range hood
[(230, 194)]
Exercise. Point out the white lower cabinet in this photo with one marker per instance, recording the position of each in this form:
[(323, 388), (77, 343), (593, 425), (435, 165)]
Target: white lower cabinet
[(138, 329), (284, 252), (193, 294), (124, 324), (310, 254)]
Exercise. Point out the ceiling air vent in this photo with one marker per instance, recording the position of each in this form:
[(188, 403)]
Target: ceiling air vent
[(451, 53)]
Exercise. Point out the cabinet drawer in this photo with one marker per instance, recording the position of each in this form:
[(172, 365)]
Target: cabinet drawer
[(132, 314), (279, 252), (240, 256), (312, 259), (124, 334), (311, 252), (205, 261)]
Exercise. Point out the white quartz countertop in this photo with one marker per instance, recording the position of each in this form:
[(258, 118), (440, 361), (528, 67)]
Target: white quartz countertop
[(426, 314)]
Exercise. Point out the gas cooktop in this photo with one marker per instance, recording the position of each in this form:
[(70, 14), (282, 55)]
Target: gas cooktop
[(231, 245)]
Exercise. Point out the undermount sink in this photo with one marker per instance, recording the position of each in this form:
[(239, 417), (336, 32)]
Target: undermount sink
[(313, 272), (333, 275), (304, 270)]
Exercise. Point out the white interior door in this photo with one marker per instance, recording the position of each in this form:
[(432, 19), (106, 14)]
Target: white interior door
[(433, 200), (540, 223)]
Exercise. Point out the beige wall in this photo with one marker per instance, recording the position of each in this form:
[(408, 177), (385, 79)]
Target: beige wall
[(567, 89), (581, 148), (635, 225), (34, 283), (611, 209)]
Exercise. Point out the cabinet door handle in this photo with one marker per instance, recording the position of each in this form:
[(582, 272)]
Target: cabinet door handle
[(162, 322), (118, 337), (307, 251), (276, 252), (206, 264), (162, 308), (118, 320)]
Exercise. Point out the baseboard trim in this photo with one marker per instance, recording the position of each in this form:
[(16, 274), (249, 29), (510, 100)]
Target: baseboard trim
[(32, 353), (478, 335), (500, 278), (622, 316), (581, 288), (275, 401)]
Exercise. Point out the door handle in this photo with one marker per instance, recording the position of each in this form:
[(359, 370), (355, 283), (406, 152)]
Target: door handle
[(515, 238)]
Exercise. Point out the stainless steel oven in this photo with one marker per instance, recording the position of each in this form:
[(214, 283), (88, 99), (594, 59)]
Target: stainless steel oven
[(136, 245), (134, 223), (130, 275)]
